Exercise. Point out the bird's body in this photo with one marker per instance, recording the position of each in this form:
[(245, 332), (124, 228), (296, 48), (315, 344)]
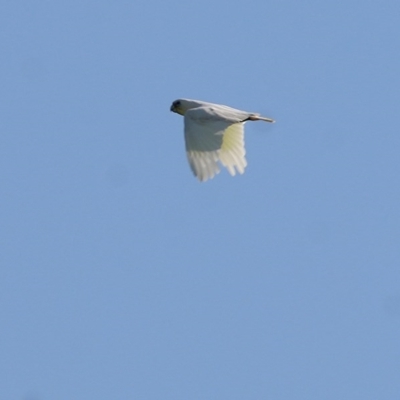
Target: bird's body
[(214, 133)]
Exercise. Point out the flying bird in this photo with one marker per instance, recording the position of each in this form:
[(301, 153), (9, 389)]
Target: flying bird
[(214, 134)]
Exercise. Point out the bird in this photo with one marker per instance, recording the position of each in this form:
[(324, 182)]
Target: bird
[(214, 133)]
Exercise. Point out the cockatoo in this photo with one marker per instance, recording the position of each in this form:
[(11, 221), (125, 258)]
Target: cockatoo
[(214, 133)]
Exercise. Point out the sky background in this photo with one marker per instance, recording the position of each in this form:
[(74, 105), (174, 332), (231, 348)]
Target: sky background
[(123, 277)]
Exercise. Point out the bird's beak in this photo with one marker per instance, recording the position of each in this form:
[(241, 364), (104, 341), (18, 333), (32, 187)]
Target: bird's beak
[(172, 108)]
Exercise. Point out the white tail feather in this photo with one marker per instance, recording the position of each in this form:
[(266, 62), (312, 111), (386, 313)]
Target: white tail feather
[(258, 118)]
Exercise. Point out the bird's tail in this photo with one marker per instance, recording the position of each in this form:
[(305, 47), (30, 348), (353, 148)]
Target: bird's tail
[(258, 118)]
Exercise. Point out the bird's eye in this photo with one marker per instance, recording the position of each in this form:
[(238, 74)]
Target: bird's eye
[(177, 103)]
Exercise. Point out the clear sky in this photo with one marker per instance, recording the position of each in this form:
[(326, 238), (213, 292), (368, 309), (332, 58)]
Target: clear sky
[(123, 277)]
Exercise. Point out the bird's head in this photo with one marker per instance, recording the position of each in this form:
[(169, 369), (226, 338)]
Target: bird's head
[(182, 105)]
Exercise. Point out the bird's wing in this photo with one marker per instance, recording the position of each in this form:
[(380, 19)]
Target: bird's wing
[(232, 154), (212, 136)]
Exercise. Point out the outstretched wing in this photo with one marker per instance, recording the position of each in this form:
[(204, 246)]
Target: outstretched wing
[(213, 135), (232, 153)]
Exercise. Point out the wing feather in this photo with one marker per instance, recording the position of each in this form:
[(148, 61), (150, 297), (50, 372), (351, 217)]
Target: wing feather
[(232, 154)]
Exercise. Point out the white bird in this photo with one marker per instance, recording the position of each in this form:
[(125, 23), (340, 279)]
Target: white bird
[(214, 133)]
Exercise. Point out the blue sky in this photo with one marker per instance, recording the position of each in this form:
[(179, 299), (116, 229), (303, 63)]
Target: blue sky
[(123, 277)]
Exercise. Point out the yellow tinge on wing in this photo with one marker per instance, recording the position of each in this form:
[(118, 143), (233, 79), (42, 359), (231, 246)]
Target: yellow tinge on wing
[(232, 153)]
